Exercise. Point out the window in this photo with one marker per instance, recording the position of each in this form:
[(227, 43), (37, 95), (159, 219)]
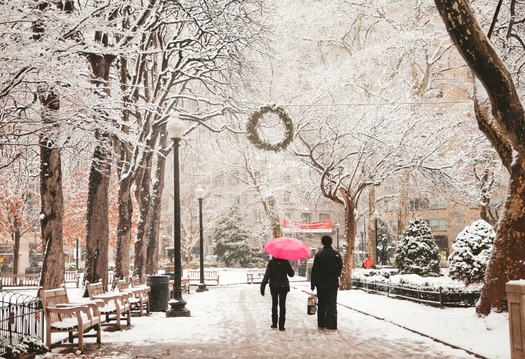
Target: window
[(418, 204), (442, 242), (286, 197), (306, 217), (324, 217), (437, 203), (437, 225), (390, 205), (393, 226)]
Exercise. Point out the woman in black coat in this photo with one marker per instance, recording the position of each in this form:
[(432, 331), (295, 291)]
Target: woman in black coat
[(277, 272)]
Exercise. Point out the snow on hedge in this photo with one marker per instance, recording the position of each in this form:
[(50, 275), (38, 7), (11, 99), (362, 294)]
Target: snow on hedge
[(471, 252)]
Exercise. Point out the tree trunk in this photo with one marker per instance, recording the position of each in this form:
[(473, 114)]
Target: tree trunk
[(51, 197), (403, 204), (97, 228), (126, 179), (269, 205), (485, 182), (350, 230), (143, 197), (372, 226), (505, 129), (123, 241), (506, 262), (152, 234), (16, 248)]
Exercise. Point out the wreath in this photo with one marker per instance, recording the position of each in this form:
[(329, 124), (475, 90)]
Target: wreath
[(253, 125)]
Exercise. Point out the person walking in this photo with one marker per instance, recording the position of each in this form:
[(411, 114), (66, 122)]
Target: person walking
[(367, 264), (325, 274), (277, 272)]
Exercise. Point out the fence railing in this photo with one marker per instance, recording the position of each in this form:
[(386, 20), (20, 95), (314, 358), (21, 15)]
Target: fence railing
[(442, 297), (33, 280), (20, 315), (20, 280)]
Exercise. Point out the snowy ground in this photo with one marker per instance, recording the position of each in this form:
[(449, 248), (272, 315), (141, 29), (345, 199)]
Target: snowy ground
[(233, 321)]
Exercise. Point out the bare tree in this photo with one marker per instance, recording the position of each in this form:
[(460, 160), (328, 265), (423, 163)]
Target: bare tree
[(504, 126), (185, 62)]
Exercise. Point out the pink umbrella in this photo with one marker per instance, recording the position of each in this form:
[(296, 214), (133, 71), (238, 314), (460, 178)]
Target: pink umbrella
[(291, 249)]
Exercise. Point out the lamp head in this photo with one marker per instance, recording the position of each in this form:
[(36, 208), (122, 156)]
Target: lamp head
[(175, 126), (199, 192)]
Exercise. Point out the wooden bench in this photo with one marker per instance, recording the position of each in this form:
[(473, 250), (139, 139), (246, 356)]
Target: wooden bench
[(209, 275), (116, 305), (136, 283), (184, 284), (255, 275), (138, 299), (61, 316)]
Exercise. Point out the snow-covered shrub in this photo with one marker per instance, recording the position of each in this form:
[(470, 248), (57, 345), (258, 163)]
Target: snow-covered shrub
[(29, 344), (417, 252), (471, 252)]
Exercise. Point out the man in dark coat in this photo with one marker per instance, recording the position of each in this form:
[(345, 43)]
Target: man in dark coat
[(277, 272), (326, 271)]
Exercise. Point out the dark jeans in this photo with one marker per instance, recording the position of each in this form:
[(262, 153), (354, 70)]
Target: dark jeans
[(327, 308), (279, 299)]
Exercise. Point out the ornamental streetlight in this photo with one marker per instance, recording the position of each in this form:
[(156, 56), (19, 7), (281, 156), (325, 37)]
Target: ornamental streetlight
[(199, 193), (376, 217), (175, 129)]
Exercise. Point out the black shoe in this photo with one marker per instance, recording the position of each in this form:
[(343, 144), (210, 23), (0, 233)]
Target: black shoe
[(274, 326), (281, 329)]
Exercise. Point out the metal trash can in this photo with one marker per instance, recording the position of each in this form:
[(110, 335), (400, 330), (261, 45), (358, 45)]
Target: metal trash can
[(158, 295)]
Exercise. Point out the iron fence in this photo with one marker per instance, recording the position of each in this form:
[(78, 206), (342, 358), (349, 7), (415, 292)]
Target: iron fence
[(20, 315), (442, 297)]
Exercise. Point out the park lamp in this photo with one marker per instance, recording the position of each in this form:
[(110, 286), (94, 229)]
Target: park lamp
[(175, 127), (199, 192)]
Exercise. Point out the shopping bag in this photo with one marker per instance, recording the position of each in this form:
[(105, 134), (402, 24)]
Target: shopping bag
[(312, 305)]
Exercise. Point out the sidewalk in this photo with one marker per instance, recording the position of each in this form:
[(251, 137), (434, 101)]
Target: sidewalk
[(233, 321)]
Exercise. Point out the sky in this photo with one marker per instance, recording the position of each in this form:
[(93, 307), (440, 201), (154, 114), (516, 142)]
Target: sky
[(233, 321)]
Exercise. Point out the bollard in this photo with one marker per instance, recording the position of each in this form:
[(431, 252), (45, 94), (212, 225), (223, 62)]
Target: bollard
[(158, 295), (516, 303)]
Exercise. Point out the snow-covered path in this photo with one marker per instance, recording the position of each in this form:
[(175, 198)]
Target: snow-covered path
[(234, 322)]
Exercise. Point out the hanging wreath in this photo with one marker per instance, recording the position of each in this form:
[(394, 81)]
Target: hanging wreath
[(253, 126)]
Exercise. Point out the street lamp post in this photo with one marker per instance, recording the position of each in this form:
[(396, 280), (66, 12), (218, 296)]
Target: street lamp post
[(199, 193), (376, 217), (337, 225), (175, 129)]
